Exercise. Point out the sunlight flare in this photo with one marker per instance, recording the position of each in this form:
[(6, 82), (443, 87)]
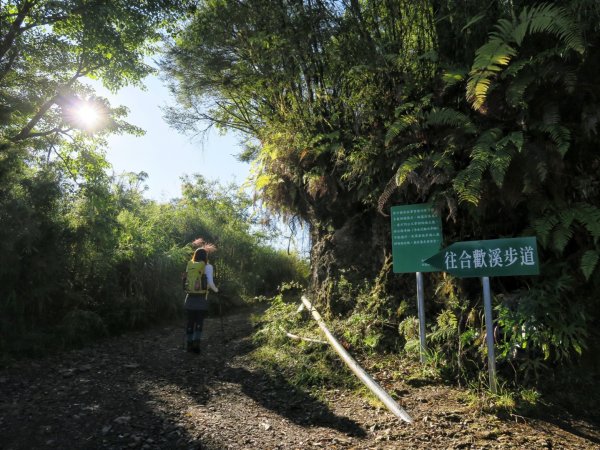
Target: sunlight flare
[(88, 115)]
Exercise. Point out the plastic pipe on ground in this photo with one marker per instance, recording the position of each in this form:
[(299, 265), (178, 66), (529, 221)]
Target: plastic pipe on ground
[(388, 401)]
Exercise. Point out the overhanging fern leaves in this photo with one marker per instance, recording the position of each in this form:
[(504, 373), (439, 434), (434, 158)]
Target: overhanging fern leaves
[(589, 261), (503, 44), (492, 152), (560, 135), (450, 118), (403, 123), (407, 167), (555, 229)]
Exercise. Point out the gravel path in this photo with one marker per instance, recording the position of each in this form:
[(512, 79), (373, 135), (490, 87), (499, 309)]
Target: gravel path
[(142, 391)]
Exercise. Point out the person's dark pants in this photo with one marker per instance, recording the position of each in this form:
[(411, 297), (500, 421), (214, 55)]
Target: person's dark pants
[(193, 329)]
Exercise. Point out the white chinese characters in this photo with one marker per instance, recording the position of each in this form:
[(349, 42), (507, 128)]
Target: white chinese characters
[(489, 258)]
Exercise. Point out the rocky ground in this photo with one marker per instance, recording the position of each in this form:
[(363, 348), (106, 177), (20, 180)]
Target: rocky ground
[(142, 391)]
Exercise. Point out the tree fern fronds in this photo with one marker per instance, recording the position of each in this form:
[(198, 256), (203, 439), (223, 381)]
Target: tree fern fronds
[(400, 110), (452, 77), (502, 157), (489, 60), (589, 261), (389, 189), (515, 92), (450, 118), (566, 217), (467, 183), (515, 68), (543, 227), (547, 18), (561, 236), (401, 124), (560, 135), (407, 167), (589, 216), (557, 227), (501, 48)]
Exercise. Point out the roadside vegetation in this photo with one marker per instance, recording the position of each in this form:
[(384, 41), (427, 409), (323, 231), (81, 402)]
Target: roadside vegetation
[(488, 114), (346, 108)]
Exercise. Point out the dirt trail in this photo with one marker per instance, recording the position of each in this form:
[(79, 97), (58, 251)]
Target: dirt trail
[(142, 391)]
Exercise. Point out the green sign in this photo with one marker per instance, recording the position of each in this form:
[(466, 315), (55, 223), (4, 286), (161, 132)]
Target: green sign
[(491, 258), (416, 235)]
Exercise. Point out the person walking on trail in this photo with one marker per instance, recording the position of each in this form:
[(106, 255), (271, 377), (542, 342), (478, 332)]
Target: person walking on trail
[(198, 278)]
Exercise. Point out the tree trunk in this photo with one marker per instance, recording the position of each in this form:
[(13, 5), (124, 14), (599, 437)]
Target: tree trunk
[(357, 251)]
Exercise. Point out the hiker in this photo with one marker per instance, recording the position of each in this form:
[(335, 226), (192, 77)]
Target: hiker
[(198, 278)]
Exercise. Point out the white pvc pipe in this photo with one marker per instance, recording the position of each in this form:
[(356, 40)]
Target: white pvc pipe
[(355, 367), (301, 338)]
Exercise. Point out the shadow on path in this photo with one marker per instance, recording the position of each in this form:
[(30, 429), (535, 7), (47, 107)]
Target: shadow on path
[(298, 406)]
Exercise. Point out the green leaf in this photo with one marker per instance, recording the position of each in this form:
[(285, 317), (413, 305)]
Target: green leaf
[(589, 261), (472, 21)]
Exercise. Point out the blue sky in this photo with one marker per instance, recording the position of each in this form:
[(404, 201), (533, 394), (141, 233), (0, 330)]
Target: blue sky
[(166, 155), (162, 152)]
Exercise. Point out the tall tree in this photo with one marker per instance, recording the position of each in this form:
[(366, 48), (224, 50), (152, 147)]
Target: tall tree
[(312, 84), (47, 47)]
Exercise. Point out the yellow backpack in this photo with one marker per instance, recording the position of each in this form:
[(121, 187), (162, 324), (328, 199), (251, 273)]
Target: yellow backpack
[(196, 282)]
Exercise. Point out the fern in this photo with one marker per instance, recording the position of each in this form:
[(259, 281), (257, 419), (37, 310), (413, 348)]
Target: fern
[(588, 216), (503, 156), (557, 228), (502, 46), (408, 167), (446, 328), (547, 18), (468, 182), (561, 236), (560, 135), (450, 118), (454, 76), (543, 228), (472, 21), (589, 261), (402, 124), (516, 89)]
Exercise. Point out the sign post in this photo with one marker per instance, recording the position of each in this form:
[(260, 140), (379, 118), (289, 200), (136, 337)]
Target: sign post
[(421, 312), (489, 335), (496, 257), (416, 235)]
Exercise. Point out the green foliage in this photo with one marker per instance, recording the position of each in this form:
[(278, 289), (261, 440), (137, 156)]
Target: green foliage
[(79, 327), (504, 42), (99, 258), (350, 109), (542, 328), (305, 364)]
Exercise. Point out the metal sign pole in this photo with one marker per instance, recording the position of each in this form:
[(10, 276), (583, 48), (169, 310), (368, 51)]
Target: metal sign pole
[(489, 332), (421, 311)]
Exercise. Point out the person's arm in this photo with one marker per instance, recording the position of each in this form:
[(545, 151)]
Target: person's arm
[(208, 271)]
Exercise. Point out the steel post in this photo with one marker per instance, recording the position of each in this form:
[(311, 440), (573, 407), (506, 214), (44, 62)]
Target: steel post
[(421, 312), (489, 332)]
